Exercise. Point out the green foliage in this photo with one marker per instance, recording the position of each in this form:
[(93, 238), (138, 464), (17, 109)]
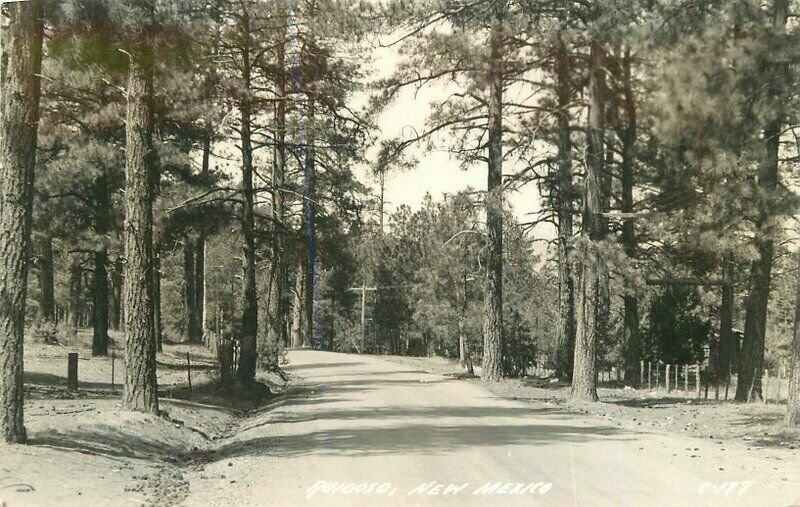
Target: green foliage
[(678, 328)]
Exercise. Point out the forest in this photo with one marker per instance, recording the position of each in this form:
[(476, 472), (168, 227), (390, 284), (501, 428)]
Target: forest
[(215, 173)]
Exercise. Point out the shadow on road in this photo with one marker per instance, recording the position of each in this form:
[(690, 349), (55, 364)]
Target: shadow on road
[(411, 439)]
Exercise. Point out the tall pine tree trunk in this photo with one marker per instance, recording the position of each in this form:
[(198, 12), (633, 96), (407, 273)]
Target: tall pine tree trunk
[(199, 274), (632, 334), (748, 387), (20, 60), (100, 304), (75, 305), (310, 317), (592, 271), (565, 198), (726, 338), (793, 403), (277, 313), (47, 302), (141, 390), (102, 218), (246, 371), (493, 302), (298, 306), (189, 294), (115, 311)]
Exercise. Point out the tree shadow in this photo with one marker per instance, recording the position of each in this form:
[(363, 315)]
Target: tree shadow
[(182, 366), (110, 442), (420, 439), (32, 379), (240, 400), (400, 413), (659, 402), (309, 366)]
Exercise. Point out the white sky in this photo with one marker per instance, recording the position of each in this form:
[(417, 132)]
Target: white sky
[(436, 173)]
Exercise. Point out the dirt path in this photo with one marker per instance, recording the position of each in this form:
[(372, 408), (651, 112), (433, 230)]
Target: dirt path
[(389, 432)]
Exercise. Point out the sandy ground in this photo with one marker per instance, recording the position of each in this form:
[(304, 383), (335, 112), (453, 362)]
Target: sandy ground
[(83, 450), (394, 433)]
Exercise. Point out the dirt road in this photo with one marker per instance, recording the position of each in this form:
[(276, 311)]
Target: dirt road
[(361, 431)]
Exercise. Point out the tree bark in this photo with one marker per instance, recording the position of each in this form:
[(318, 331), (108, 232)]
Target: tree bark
[(310, 317), (565, 198), (297, 307), (141, 390), (748, 386), (793, 403), (246, 371), (493, 302), (100, 304), (726, 339), (632, 334), (47, 302), (277, 312), (75, 306), (115, 311), (199, 273), (592, 272), (20, 66), (189, 292), (102, 218)]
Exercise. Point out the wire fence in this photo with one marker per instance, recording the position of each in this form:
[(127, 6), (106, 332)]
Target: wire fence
[(689, 380)]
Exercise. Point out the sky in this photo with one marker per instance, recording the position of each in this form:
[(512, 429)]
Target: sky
[(436, 172)]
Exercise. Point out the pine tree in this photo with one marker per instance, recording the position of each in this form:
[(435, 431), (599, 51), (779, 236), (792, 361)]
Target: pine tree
[(752, 364), (141, 392), (793, 402), (591, 265), (19, 113)]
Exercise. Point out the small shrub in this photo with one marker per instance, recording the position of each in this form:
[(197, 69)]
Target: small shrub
[(45, 332)]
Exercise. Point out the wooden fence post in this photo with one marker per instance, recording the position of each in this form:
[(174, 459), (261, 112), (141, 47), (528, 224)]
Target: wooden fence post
[(649, 375), (766, 386), (113, 357), (657, 375), (72, 371), (641, 374), (677, 367), (686, 377), (697, 379), (666, 379), (189, 373)]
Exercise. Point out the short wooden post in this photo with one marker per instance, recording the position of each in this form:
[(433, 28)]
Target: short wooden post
[(666, 378), (697, 379), (113, 387), (766, 386), (657, 375), (677, 367), (649, 375), (641, 373), (189, 372), (72, 371), (686, 378)]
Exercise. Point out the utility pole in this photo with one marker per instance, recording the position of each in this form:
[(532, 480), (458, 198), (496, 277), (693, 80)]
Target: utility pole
[(363, 289)]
